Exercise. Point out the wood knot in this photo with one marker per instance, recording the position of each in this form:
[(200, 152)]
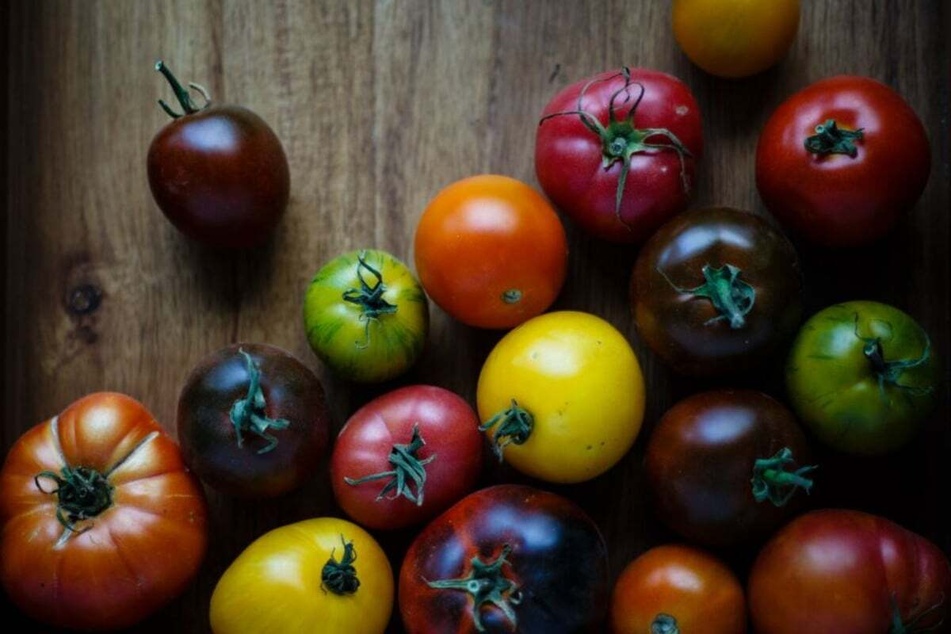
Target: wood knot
[(83, 299)]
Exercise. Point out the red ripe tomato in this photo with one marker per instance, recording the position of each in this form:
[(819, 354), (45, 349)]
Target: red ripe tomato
[(406, 456), (102, 524), (840, 161), (848, 571), (617, 151)]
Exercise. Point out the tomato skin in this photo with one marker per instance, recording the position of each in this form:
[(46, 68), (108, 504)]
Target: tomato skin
[(275, 584), (207, 431), (569, 156), (558, 561), (839, 570), (837, 200), (691, 587), (491, 251), (114, 571), (366, 342), (684, 328), (452, 454), (838, 391), (579, 380)]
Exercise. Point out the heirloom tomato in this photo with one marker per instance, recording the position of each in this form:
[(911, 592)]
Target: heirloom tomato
[(846, 571), (406, 456), (491, 251), (561, 397), (508, 558), (840, 161), (675, 589), (322, 575), (218, 172), (253, 421), (92, 503), (617, 151), (366, 316), (863, 377), (716, 290)]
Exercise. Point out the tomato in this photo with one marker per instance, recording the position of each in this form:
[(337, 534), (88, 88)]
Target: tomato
[(366, 316), (406, 456), (504, 559), (253, 421), (846, 571), (491, 251), (92, 502), (841, 161), (218, 172), (617, 151), (319, 575), (725, 466), (735, 38), (716, 290), (674, 589), (561, 397)]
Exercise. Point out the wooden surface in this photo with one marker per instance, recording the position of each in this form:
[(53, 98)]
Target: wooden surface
[(379, 105)]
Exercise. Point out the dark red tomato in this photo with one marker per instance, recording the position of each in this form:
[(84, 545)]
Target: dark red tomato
[(716, 290), (617, 151), (406, 456), (835, 571), (252, 421), (725, 467), (218, 173), (504, 559), (841, 161)]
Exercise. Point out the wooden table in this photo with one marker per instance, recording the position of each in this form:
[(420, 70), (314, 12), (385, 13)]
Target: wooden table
[(379, 105)]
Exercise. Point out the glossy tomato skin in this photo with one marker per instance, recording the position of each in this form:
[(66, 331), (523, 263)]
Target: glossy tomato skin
[(676, 586), (279, 583), (840, 570), (683, 325), (450, 455), (658, 183), (835, 199), (555, 572), (113, 569), (491, 251), (366, 316), (701, 465), (280, 458), (863, 377)]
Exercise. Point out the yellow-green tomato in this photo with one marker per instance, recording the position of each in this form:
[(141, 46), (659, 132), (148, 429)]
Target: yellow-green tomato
[(366, 316), (323, 575), (561, 397)]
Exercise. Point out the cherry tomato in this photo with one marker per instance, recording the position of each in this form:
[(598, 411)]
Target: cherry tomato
[(617, 151), (491, 251), (92, 503), (841, 161), (406, 456), (508, 558), (218, 172), (253, 421)]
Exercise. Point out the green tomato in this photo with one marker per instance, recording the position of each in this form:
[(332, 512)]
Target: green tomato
[(366, 316), (862, 376)]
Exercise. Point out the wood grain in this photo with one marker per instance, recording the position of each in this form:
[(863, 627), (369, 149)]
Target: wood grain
[(379, 105)]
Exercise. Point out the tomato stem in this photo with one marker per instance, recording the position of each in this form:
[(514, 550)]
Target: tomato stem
[(180, 93), (771, 480), (82, 493), (831, 139), (912, 626), (889, 373), (340, 577), (407, 469), (248, 414), (514, 426), (664, 624), (731, 296), (369, 298)]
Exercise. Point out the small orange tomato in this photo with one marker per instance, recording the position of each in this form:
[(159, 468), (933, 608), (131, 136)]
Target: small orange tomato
[(491, 251)]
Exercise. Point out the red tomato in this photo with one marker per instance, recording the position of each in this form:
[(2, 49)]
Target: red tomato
[(92, 503), (617, 151), (406, 456), (491, 251), (835, 571), (840, 161)]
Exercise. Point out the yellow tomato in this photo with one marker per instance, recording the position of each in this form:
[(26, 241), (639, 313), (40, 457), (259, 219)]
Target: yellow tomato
[(735, 38), (562, 397), (323, 575)]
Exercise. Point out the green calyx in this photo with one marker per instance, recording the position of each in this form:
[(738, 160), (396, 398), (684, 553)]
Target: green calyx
[(407, 470), (513, 425), (82, 493), (369, 297), (915, 625), (773, 481), (889, 373), (664, 624), (248, 414), (831, 139), (340, 577), (188, 105), (732, 297)]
